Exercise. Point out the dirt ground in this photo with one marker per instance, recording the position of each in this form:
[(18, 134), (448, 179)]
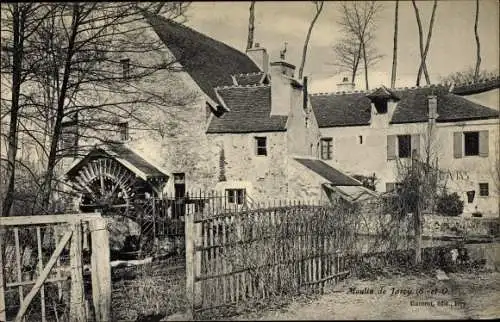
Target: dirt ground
[(463, 296)]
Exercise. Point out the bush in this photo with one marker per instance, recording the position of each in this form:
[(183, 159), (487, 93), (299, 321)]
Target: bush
[(450, 204)]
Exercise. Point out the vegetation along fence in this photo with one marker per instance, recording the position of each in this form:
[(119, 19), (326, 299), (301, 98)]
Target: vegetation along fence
[(42, 264), (263, 252)]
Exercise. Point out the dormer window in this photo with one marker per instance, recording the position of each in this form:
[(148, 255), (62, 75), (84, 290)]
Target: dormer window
[(380, 98), (380, 105)]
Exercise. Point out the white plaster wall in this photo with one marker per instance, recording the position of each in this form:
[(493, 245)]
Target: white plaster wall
[(467, 172)]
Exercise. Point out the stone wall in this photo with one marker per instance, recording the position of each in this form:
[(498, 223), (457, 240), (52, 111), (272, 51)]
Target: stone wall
[(457, 226), (264, 177)]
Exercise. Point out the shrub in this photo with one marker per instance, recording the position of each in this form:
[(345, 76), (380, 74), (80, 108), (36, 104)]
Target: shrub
[(450, 204)]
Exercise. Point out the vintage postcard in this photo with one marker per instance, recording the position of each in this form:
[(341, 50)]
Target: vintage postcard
[(258, 160)]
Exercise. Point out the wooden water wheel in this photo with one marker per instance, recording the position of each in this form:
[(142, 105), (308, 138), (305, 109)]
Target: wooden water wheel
[(105, 185)]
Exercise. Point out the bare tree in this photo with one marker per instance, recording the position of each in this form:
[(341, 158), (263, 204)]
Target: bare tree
[(94, 65), (468, 76), (251, 25), (347, 53), (319, 7), (20, 22), (358, 21), (423, 51), (478, 45), (395, 47)]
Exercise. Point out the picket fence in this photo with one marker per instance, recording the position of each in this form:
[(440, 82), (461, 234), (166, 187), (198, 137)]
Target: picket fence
[(260, 253)]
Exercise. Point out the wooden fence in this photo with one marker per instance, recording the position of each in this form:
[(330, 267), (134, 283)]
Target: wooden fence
[(41, 279), (260, 253)]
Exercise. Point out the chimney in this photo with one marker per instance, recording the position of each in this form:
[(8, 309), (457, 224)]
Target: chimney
[(345, 85), (281, 74), (432, 108), (259, 56)]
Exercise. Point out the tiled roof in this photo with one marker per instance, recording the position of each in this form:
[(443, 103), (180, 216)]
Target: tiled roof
[(249, 79), (341, 109), (123, 155), (334, 176), (477, 87), (209, 62), (250, 108), (334, 110)]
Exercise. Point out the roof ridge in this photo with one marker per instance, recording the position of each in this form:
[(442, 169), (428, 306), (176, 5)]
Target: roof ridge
[(354, 91), (249, 74), (479, 81), (241, 86)]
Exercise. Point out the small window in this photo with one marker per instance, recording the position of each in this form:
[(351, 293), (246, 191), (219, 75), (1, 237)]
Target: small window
[(125, 67), (484, 190), (471, 143), (404, 146), (326, 148), (123, 130), (261, 145), (381, 105), (360, 139), (235, 196)]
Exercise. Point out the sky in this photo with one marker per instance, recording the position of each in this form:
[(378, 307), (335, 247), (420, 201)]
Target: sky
[(452, 47)]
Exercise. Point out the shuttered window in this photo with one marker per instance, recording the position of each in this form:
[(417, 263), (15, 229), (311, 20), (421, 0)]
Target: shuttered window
[(471, 143)]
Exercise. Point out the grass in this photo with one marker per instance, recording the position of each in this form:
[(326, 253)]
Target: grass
[(156, 290)]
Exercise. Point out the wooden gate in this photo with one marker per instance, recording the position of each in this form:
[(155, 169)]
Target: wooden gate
[(44, 258)]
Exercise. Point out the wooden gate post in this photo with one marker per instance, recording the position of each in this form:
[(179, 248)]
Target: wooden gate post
[(101, 269), (77, 299)]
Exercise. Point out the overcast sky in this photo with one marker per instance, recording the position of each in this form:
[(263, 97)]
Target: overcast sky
[(452, 45)]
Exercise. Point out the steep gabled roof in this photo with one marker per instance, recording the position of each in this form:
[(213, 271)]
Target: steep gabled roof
[(209, 62), (249, 111), (348, 109), (334, 176)]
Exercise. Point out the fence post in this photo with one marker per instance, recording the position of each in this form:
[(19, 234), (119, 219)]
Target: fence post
[(2, 280), (101, 269), (193, 264), (189, 232), (77, 298)]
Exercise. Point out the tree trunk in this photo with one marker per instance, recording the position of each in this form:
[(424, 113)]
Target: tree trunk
[(366, 66), (319, 8), (395, 48), (251, 25), (17, 57), (56, 134), (478, 45), (356, 64), (423, 52), (426, 50)]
